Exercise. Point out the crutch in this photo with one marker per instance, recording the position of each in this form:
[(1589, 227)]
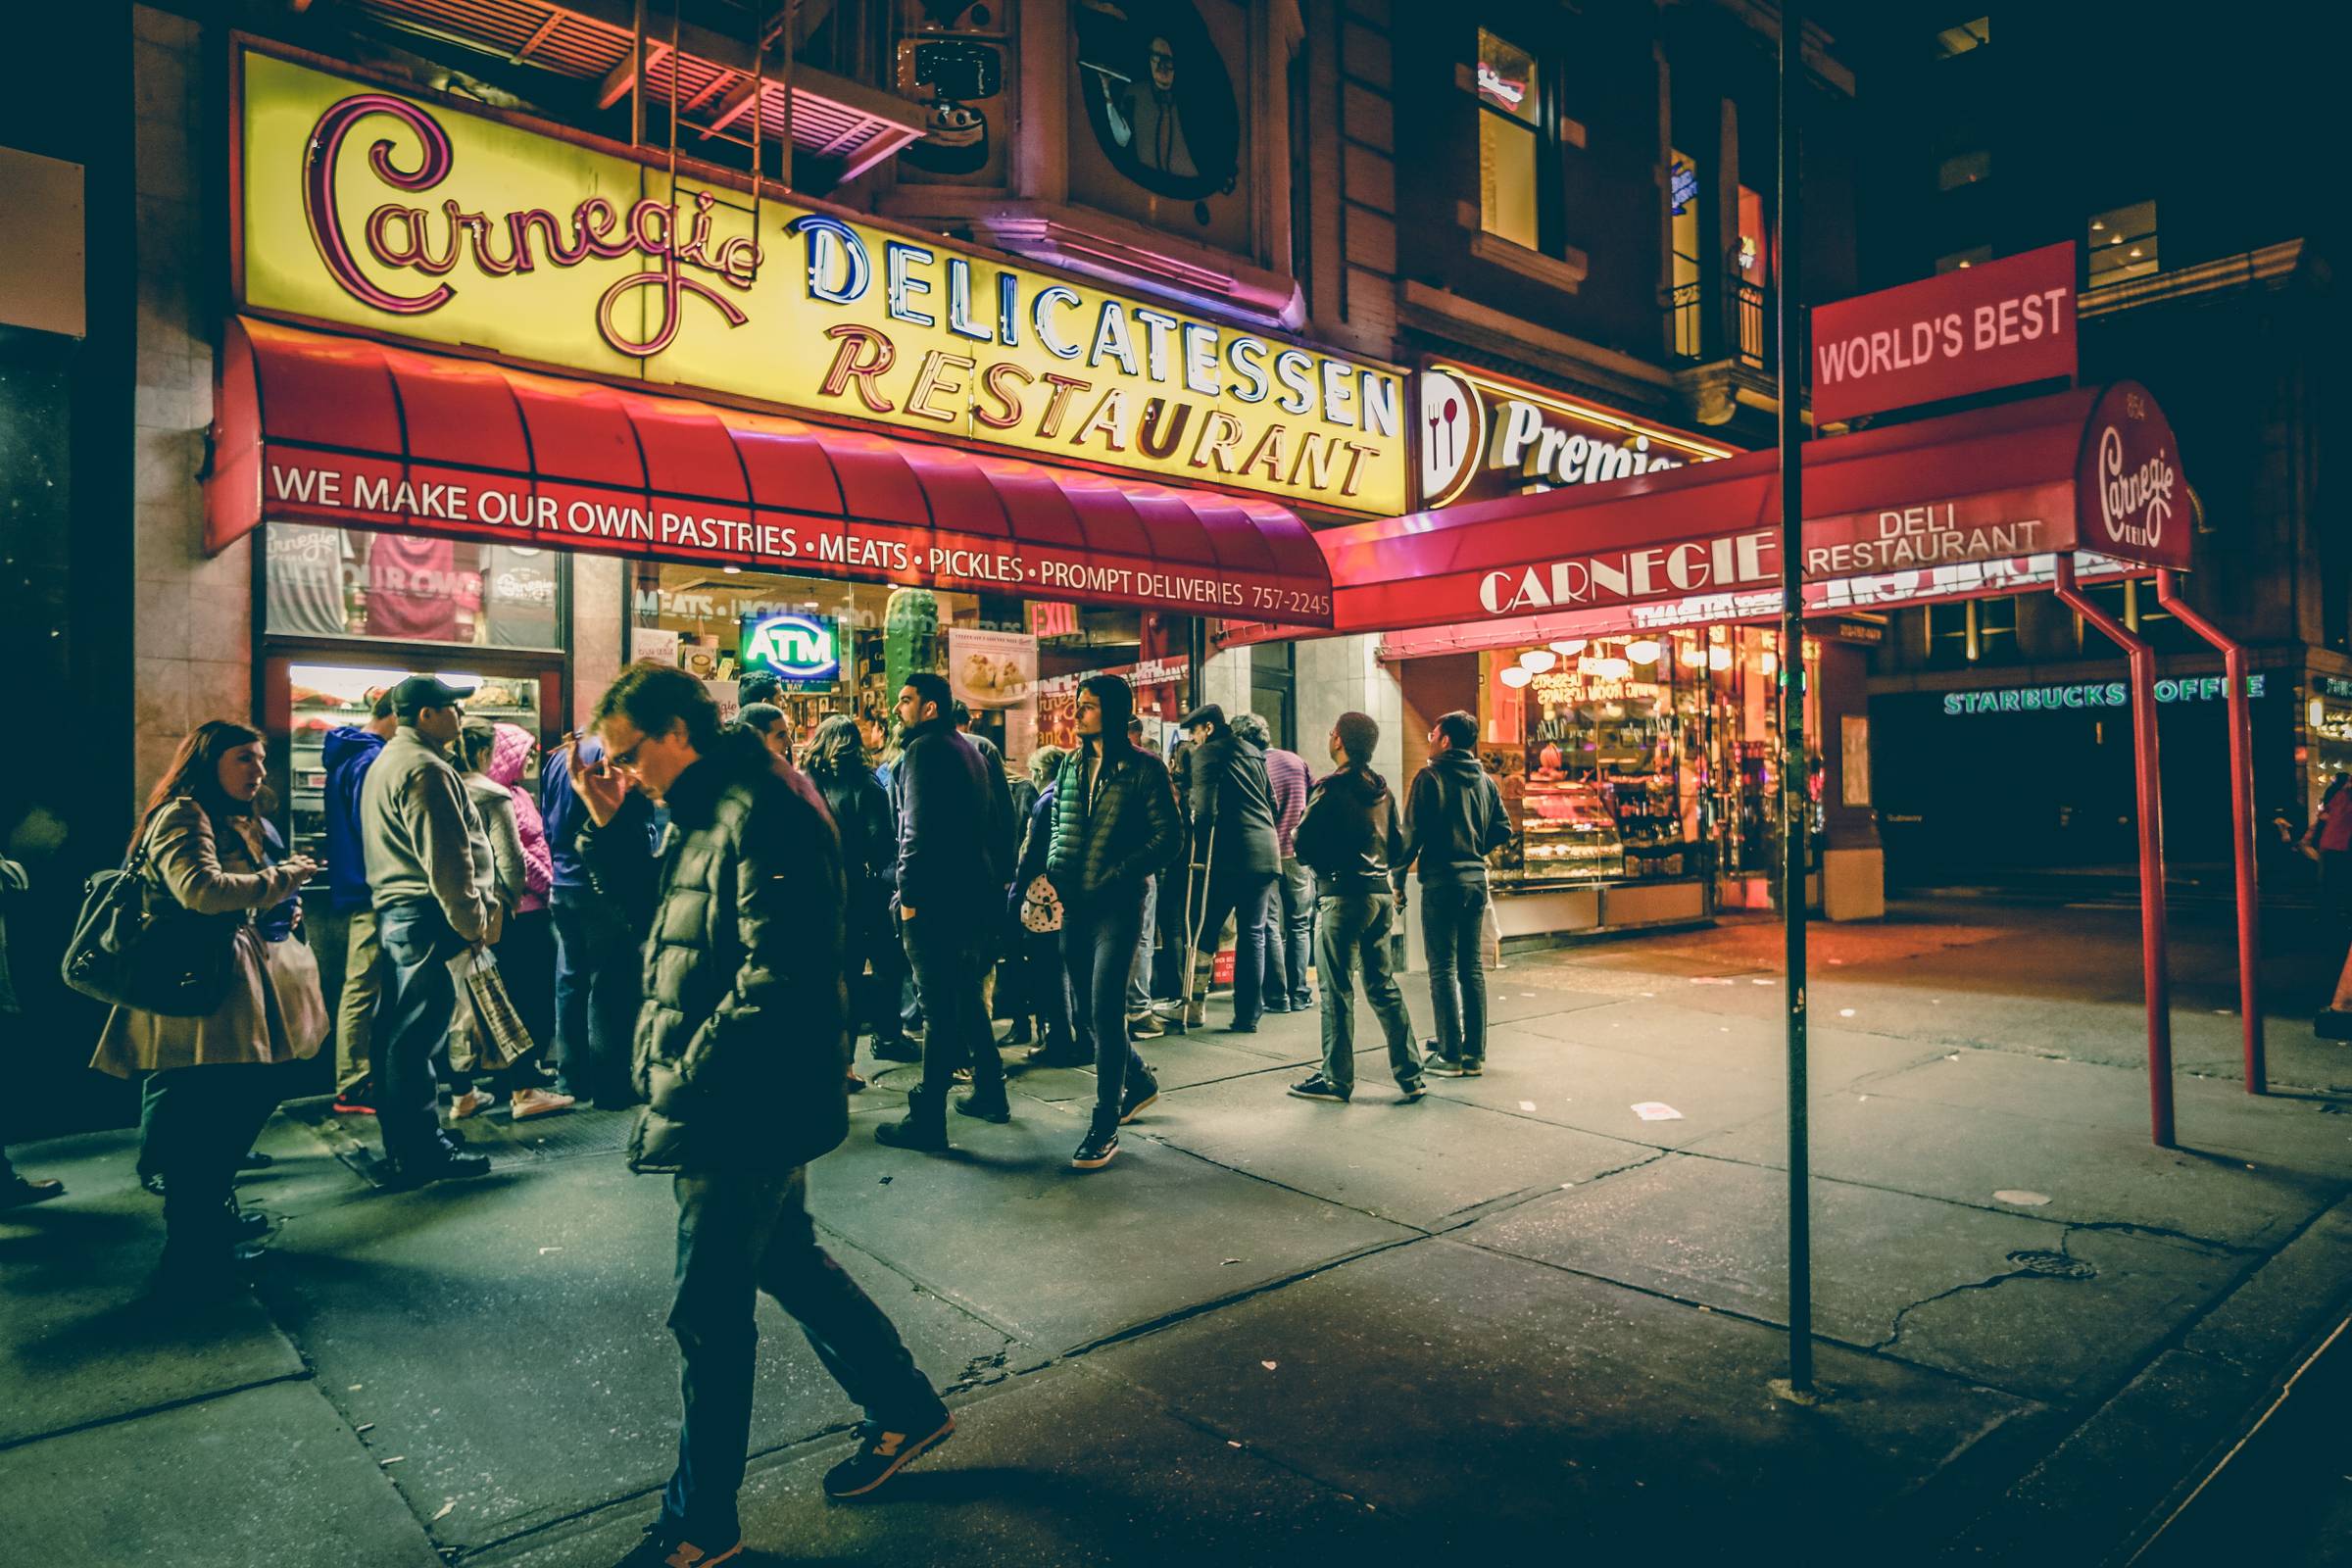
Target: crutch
[(1194, 919)]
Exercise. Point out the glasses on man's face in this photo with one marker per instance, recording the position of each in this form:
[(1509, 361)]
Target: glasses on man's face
[(628, 759)]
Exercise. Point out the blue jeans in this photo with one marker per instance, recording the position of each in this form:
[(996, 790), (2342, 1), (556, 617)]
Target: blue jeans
[(740, 1233), (1139, 986), (1355, 929), (1297, 934), (599, 973), (1453, 928), (1099, 933), (1242, 894), (412, 1024)]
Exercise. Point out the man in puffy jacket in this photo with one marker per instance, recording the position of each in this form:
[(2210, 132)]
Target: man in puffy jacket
[(1237, 842), (1453, 821), (1351, 840), (742, 1052), (1114, 826), (953, 822), (347, 751)]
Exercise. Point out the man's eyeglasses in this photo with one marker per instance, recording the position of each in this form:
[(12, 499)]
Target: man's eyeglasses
[(628, 759)]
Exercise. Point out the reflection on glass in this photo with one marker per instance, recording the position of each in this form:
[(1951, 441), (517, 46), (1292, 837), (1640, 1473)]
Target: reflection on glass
[(391, 587)]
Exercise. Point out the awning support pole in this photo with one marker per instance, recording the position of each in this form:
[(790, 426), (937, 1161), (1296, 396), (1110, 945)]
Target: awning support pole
[(2151, 846), (2241, 820), (1794, 801)]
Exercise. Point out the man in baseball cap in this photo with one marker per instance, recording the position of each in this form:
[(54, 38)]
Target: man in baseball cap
[(418, 693)]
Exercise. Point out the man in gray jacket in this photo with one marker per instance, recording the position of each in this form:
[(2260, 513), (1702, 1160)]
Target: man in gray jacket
[(417, 830)]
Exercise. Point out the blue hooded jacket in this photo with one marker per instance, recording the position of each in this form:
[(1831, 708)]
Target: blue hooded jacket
[(561, 810), (347, 751)]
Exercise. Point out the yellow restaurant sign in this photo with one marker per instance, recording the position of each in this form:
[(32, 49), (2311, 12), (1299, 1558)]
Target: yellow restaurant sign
[(385, 211)]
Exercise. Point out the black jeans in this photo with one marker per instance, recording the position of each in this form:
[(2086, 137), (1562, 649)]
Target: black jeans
[(1047, 987), (1242, 894), (1099, 933), (195, 1124), (740, 1233), (1453, 921), (943, 951), (599, 979), (411, 1025)]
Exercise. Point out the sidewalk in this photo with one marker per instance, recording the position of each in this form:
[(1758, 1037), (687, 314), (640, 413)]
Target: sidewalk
[(1516, 1315)]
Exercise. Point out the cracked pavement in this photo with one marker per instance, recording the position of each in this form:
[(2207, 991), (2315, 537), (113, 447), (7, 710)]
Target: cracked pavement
[(1515, 1315)]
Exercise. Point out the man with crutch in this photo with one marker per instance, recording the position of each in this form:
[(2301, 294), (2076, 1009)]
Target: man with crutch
[(1234, 824)]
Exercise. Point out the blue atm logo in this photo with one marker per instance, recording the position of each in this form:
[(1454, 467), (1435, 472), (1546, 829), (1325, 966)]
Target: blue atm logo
[(795, 647)]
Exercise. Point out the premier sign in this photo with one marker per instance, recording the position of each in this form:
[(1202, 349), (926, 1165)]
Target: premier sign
[(1483, 436), (1998, 324)]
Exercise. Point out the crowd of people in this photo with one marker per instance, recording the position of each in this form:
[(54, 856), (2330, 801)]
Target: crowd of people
[(693, 922)]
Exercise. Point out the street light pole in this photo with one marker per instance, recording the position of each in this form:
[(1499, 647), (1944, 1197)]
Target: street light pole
[(1794, 804)]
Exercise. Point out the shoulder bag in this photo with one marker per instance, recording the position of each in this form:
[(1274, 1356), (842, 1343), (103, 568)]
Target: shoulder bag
[(171, 961)]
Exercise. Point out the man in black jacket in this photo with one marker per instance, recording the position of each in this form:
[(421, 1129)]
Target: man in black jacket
[(1350, 839), (1453, 821), (1235, 839), (741, 1051), (951, 905), (1114, 825)]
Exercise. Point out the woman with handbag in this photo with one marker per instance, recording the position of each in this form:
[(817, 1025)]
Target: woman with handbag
[(202, 866), (1037, 926)]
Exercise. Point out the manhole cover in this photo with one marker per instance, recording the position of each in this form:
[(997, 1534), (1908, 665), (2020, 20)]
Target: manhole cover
[(2052, 1265)]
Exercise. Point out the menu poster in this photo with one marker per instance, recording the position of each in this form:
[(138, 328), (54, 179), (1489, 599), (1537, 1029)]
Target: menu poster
[(656, 644), (991, 671)]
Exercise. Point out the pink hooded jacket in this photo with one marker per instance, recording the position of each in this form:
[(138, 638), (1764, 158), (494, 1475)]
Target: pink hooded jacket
[(507, 753)]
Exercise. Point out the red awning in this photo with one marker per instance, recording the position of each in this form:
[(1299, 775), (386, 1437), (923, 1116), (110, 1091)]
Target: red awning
[(319, 428), (2090, 470)]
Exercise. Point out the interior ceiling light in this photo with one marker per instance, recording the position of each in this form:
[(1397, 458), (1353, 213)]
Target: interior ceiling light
[(1536, 661), (1569, 646), (1768, 661), (1513, 676), (1642, 652)]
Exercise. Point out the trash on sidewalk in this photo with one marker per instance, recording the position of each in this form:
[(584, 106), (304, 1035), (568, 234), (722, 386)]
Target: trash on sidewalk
[(1656, 1110), (446, 1511), (2021, 1198), (1268, 1365)]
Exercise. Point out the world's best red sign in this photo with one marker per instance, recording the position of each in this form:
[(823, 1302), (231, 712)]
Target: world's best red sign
[(2000, 324)]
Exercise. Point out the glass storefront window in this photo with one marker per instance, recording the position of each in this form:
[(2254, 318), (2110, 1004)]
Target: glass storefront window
[(325, 697), (1636, 757), (412, 588), (844, 648)]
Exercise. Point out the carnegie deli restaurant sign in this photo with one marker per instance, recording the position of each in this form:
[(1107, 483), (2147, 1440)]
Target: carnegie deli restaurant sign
[(379, 209), (1483, 436)]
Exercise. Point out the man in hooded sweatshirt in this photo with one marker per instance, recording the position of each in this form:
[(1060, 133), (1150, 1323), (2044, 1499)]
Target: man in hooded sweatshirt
[(1114, 827), (1453, 821), (347, 751), (1350, 839)]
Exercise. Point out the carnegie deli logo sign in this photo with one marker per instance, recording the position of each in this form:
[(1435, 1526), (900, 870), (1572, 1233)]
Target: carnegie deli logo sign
[(382, 210), (1483, 436)]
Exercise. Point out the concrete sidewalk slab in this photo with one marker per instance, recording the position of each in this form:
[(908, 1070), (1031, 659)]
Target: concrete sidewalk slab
[(508, 1338), (1087, 1253), (1418, 1163), (1068, 1469), (2092, 1175), (1687, 1030), (1931, 1281), (1595, 1088), (86, 1341), (1508, 1407), (266, 1478)]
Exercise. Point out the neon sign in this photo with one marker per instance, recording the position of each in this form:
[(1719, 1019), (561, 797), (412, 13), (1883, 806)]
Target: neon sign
[(799, 648), (2090, 694), (392, 211)]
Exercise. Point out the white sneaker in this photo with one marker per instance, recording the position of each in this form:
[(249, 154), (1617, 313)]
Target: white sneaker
[(471, 1102), (529, 1103)]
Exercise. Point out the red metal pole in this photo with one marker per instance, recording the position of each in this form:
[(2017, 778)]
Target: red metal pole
[(2241, 813), (2151, 847)]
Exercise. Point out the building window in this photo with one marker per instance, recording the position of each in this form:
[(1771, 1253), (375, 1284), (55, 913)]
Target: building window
[(2123, 244), (1964, 168), (1510, 111), (1681, 201), (1962, 260), (1751, 275), (1960, 40)]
